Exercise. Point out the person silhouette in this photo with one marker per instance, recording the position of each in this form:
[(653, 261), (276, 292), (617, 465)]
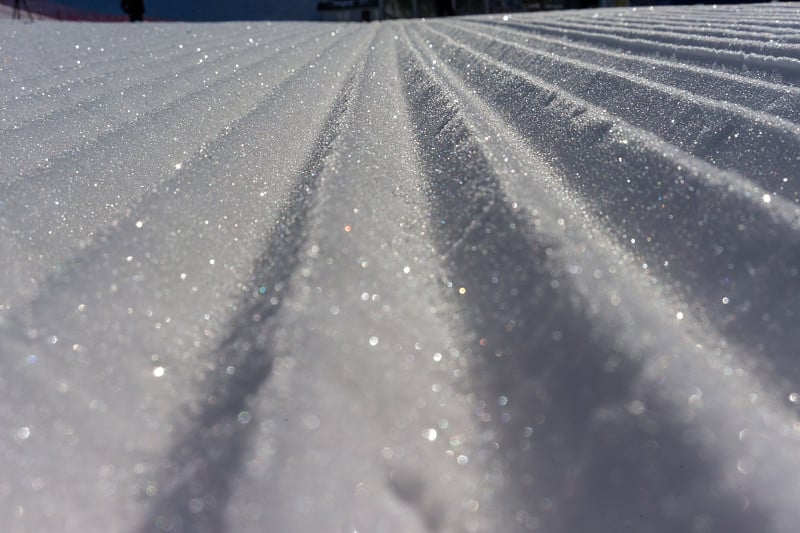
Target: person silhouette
[(134, 9), (19, 5)]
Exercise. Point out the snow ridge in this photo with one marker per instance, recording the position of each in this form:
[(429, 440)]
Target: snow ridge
[(511, 273)]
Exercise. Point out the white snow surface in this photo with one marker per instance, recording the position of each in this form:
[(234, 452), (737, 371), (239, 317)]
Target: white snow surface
[(535, 272)]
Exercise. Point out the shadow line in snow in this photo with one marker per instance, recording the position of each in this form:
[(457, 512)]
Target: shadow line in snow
[(201, 466), (679, 219), (583, 446), (700, 55)]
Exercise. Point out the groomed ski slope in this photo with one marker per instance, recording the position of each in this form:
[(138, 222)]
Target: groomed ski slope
[(535, 272)]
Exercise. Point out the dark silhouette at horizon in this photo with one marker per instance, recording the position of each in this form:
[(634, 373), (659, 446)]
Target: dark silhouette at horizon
[(134, 9), (19, 5)]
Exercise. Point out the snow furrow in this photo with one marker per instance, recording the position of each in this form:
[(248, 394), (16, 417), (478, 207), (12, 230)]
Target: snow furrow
[(764, 48), (353, 267), (788, 68), (776, 16), (37, 144), (756, 94), (768, 35), (88, 52), (779, 24), (666, 106), (484, 274), (592, 123), (209, 453), (114, 90), (199, 290), (585, 339), (624, 174), (87, 60), (72, 182)]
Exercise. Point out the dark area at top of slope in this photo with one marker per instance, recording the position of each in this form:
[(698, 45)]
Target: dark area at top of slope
[(178, 10)]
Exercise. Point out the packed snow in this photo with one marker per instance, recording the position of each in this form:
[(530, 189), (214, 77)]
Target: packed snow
[(528, 272)]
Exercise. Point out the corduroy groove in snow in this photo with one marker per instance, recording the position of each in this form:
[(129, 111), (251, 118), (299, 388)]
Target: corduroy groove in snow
[(535, 272)]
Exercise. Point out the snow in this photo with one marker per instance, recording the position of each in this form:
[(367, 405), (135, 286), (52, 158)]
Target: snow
[(533, 272)]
